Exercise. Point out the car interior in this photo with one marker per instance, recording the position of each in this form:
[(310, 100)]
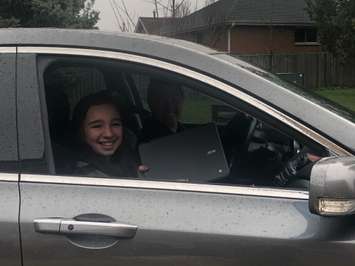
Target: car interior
[(260, 151)]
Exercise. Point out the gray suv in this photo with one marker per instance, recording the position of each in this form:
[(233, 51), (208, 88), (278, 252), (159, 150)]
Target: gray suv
[(264, 211)]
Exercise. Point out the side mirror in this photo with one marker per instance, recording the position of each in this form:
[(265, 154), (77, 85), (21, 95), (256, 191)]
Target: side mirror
[(332, 188)]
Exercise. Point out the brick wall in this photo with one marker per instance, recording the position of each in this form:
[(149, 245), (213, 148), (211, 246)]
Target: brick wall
[(262, 40), (215, 38)]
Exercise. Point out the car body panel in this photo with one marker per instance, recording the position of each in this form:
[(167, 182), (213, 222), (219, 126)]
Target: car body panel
[(8, 142), (178, 223), (181, 227), (205, 60), (10, 251)]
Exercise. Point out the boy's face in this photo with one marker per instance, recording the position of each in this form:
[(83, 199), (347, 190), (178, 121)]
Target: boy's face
[(102, 129)]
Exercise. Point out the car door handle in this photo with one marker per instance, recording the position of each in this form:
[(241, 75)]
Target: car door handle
[(74, 227)]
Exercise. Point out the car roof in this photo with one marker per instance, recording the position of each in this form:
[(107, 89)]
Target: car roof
[(253, 80)]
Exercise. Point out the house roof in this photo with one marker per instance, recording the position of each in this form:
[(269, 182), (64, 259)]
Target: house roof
[(270, 11), (151, 25), (244, 12)]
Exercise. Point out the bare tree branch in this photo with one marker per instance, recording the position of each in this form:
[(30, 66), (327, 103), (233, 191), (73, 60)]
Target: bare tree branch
[(157, 3), (115, 14), (172, 8), (128, 15), (121, 18), (180, 4), (156, 8)]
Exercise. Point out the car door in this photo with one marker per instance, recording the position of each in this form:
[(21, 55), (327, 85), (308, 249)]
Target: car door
[(71, 220), (10, 252)]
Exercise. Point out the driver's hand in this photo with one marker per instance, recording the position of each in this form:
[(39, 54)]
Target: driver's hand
[(298, 167)]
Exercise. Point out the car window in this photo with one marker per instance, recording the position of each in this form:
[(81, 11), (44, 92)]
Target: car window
[(101, 113), (8, 143), (257, 151), (200, 108)]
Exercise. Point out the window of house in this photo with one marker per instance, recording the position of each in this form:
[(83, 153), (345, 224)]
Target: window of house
[(155, 108), (306, 36)]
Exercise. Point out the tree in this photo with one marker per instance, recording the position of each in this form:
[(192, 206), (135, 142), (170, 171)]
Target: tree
[(172, 8), (178, 9), (335, 20), (6, 15), (124, 18), (48, 13)]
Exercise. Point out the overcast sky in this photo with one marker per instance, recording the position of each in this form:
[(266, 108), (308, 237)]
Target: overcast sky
[(137, 8)]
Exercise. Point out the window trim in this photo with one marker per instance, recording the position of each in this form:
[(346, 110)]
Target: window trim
[(7, 177), (307, 43), (336, 149), (173, 186), (8, 50)]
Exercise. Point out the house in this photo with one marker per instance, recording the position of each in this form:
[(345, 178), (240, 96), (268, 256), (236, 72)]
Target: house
[(243, 27), (153, 26)]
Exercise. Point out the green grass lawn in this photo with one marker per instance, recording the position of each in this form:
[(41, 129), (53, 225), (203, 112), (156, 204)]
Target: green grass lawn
[(342, 96), (198, 110)]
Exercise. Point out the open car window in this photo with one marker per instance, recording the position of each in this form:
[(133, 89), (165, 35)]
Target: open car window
[(256, 148)]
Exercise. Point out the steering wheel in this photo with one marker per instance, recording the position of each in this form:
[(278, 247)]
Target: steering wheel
[(296, 171)]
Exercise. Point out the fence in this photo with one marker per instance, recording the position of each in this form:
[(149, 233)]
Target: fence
[(319, 69)]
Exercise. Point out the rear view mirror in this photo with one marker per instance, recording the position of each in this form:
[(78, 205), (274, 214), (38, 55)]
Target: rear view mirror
[(332, 189)]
